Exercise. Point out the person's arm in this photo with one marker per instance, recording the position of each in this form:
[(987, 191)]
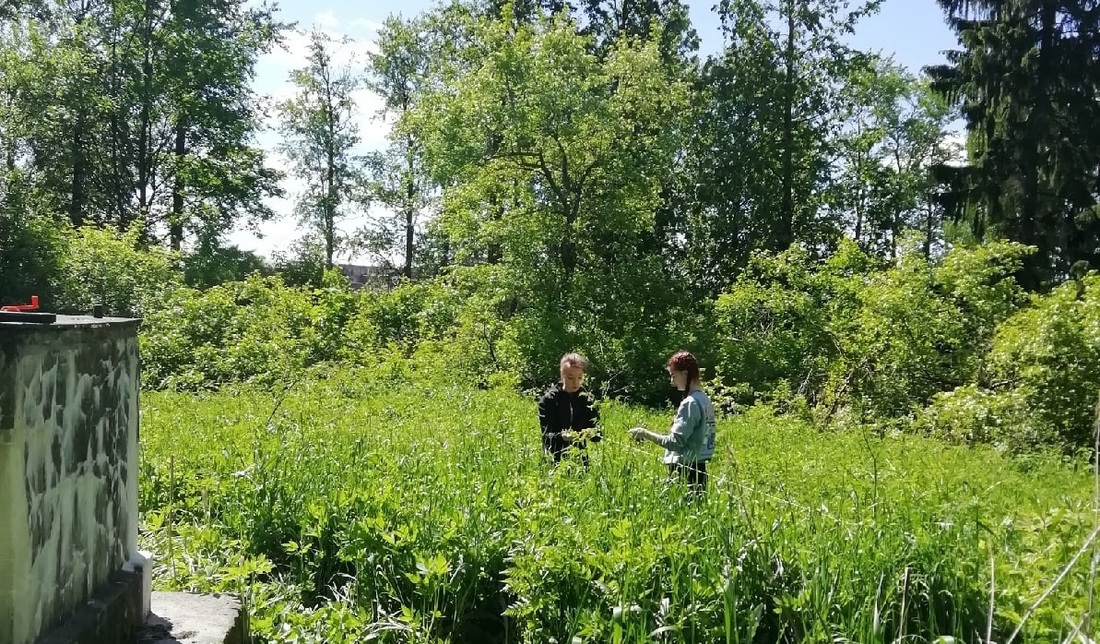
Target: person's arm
[(684, 425), (593, 419)]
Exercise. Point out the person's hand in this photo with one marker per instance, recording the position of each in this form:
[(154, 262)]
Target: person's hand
[(568, 436), (637, 433)]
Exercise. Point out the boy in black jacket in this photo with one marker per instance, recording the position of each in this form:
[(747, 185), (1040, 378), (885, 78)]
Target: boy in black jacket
[(567, 413)]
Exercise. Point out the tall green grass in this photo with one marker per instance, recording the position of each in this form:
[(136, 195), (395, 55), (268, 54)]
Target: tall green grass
[(358, 508)]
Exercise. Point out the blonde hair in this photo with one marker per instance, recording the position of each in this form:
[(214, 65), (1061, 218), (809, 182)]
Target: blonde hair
[(573, 360)]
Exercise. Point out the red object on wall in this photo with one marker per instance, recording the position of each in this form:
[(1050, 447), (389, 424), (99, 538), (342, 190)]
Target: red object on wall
[(33, 306)]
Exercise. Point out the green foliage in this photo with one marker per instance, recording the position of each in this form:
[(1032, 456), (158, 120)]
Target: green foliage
[(598, 189), (921, 328), (358, 465), (304, 263), (73, 271), (1029, 114), (256, 330), (974, 414), (557, 193), (30, 263), (318, 136), (1050, 354), (372, 504), (103, 267), (845, 341), (410, 314), (895, 127), (216, 265), (776, 323), (398, 72), (261, 330), (138, 114), (1040, 384), (849, 335)]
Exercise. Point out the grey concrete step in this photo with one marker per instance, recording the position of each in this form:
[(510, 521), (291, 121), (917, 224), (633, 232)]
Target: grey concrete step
[(186, 618)]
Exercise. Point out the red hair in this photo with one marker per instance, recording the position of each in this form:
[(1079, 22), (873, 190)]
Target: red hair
[(684, 361)]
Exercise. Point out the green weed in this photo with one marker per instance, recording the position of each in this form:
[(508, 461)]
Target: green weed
[(359, 508)]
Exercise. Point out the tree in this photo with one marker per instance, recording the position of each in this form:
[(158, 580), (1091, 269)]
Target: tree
[(918, 140), (759, 170), (398, 72), (568, 189), (303, 263), (140, 111), (608, 22), (1025, 81), (895, 130), (56, 122), (814, 58), (217, 176), (574, 133), (320, 134)]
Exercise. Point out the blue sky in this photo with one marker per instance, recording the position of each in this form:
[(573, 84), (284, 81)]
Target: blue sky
[(912, 31)]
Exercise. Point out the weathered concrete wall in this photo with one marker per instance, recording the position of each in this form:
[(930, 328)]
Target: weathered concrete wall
[(68, 466)]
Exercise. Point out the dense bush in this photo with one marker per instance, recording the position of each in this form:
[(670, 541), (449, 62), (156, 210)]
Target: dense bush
[(262, 330), (250, 330), (850, 335), (921, 328), (213, 265), (31, 247), (954, 344), (1040, 381), (101, 267), (775, 336), (74, 270)]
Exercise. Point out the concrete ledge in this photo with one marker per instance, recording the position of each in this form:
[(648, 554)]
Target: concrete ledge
[(113, 615), (185, 618)]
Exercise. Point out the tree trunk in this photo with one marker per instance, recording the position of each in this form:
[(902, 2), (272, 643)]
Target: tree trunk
[(568, 247), (859, 199), (410, 211), (175, 224), (121, 193), (495, 252), (330, 171), (784, 227), (928, 228), (1036, 129), (78, 180), (79, 169), (895, 232), (144, 153), (330, 211)]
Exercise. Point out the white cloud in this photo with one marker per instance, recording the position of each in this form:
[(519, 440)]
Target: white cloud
[(327, 19), (366, 25), (292, 53)]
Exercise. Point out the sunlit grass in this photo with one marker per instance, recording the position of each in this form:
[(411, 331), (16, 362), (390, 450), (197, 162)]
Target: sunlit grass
[(358, 508)]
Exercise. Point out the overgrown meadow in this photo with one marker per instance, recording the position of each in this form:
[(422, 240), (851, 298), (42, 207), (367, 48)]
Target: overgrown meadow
[(904, 335), (371, 505)]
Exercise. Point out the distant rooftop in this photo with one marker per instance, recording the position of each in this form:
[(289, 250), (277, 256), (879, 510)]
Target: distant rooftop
[(378, 276)]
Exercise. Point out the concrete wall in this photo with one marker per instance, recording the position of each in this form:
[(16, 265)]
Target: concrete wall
[(68, 466)]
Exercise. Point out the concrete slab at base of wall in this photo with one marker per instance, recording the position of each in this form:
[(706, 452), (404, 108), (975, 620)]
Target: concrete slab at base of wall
[(185, 618), (113, 615)]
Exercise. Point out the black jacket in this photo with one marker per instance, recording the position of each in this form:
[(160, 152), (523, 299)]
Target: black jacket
[(560, 410)]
